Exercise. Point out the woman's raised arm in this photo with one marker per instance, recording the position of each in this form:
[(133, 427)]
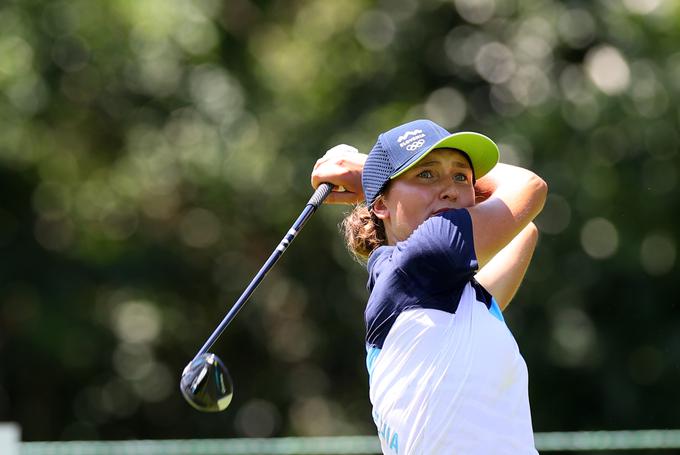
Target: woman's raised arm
[(517, 196), (504, 273)]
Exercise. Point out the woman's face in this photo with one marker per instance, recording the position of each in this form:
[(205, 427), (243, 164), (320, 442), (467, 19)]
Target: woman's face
[(440, 181)]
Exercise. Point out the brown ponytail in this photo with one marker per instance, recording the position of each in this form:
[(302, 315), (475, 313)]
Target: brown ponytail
[(364, 232)]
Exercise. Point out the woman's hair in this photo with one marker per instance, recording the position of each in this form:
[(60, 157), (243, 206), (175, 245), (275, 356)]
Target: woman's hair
[(364, 232)]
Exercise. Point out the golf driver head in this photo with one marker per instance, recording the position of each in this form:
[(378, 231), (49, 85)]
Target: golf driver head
[(206, 384)]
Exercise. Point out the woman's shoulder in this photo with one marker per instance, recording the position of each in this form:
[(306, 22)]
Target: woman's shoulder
[(456, 217), (377, 264), (378, 258), (442, 227), (441, 246), (444, 240)]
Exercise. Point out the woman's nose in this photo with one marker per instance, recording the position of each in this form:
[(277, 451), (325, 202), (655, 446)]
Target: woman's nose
[(449, 191)]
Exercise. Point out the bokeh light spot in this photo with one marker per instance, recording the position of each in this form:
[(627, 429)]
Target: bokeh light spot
[(475, 11), (572, 82), (200, 228), (530, 86), (132, 361), (257, 419), (608, 69), (599, 238), (17, 56), (463, 43), (29, 94), (315, 416), (657, 253), (137, 321), (375, 30), (446, 106), (216, 94), (196, 37), (54, 234), (516, 150), (576, 27), (52, 200), (307, 379), (573, 337), (156, 384), (648, 93), (116, 399), (556, 215), (70, 53), (642, 6), (495, 62)]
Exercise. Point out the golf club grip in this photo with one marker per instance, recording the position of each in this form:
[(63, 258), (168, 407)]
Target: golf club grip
[(320, 194), (317, 198)]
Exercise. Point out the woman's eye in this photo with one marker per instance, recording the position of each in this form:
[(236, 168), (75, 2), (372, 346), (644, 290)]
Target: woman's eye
[(460, 178), (426, 175)]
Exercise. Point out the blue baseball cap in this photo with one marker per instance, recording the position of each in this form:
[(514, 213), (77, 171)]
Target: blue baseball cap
[(400, 148)]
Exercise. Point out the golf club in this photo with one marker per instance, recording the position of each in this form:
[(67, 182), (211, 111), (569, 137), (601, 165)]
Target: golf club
[(206, 384)]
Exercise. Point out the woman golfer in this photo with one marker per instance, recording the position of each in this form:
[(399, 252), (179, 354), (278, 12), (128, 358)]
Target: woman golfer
[(445, 373)]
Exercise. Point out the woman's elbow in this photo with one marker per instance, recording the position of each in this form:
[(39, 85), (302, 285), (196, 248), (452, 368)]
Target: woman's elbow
[(543, 187), (531, 233), (539, 192)]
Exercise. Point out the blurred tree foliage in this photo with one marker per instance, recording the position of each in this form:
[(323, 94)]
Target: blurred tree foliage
[(153, 153)]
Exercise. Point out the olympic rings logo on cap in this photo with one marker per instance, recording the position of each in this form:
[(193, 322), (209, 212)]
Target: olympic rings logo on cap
[(416, 145)]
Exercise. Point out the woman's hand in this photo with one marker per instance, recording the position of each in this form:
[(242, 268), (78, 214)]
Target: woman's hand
[(341, 166)]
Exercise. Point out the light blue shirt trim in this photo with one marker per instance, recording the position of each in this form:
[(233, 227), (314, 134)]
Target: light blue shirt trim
[(371, 355), (496, 310)]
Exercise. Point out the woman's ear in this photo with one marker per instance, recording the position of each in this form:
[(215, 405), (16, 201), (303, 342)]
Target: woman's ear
[(380, 209)]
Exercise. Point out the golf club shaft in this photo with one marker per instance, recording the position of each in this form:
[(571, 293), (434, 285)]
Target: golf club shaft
[(314, 202)]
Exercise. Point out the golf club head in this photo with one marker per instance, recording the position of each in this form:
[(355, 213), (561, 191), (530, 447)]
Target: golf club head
[(206, 384)]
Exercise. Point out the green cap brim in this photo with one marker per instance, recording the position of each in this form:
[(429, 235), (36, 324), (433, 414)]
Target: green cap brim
[(482, 151)]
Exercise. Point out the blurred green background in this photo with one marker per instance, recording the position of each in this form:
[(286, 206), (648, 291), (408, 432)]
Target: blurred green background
[(154, 152)]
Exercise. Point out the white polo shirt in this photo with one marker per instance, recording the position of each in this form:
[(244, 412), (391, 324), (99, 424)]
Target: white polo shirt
[(445, 373)]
